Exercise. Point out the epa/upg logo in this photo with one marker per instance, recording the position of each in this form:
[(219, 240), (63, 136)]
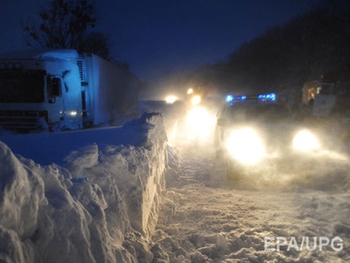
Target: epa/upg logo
[(305, 243)]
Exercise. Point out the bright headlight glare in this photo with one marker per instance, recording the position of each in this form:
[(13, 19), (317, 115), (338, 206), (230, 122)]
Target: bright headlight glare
[(197, 126), (196, 100), (305, 141), (170, 99), (245, 146), (189, 91)]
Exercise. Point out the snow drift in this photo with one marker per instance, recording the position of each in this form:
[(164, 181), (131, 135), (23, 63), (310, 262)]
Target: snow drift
[(101, 207)]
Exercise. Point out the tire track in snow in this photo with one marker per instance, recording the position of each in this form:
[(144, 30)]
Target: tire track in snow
[(206, 219)]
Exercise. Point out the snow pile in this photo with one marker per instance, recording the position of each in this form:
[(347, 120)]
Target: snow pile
[(103, 208)]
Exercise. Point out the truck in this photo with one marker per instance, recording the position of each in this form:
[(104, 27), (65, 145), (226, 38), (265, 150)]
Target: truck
[(328, 99), (322, 93), (63, 90)]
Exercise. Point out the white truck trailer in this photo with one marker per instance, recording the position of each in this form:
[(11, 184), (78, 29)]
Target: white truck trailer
[(61, 89)]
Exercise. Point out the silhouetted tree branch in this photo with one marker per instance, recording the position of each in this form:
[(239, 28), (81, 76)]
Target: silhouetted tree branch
[(67, 24)]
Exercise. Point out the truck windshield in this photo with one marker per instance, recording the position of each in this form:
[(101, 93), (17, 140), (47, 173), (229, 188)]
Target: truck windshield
[(22, 86)]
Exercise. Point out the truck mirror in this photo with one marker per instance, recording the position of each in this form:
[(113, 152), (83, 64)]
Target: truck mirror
[(56, 87), (53, 88)]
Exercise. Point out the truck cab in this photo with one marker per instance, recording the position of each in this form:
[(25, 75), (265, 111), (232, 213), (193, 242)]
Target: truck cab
[(60, 89), (329, 95), (40, 91)]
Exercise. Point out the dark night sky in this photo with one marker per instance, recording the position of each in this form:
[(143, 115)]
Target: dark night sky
[(157, 38)]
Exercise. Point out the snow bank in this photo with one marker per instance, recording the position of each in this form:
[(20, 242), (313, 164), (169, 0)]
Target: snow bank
[(102, 207)]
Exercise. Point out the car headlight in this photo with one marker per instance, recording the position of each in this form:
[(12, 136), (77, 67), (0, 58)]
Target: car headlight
[(305, 141), (196, 100), (245, 146)]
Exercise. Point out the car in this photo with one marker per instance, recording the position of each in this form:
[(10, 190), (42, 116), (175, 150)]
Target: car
[(256, 134)]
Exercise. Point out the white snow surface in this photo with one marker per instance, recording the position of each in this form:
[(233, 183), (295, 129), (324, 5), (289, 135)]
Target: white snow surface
[(205, 218), (100, 205)]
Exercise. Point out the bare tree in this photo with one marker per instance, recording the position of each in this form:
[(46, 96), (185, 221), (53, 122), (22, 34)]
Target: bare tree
[(67, 24), (95, 42)]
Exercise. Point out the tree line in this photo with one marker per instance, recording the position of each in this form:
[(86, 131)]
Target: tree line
[(286, 56), (65, 24)]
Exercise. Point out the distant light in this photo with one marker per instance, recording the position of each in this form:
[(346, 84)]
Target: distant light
[(73, 113), (196, 100), (189, 91), (170, 99), (244, 97)]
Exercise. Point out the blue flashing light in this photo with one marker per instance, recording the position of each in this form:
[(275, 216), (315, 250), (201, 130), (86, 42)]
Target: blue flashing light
[(271, 96), (229, 98), (267, 97)]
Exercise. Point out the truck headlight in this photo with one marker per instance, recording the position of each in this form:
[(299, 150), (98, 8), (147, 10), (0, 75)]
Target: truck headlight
[(245, 146), (305, 141), (73, 113)]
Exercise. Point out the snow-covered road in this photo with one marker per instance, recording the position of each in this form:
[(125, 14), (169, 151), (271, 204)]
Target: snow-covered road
[(206, 219)]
